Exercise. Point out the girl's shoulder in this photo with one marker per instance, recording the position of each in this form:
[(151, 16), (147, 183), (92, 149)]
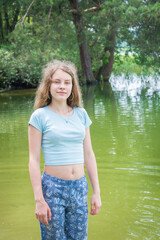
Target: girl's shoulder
[(83, 115), (37, 118), (39, 112), (80, 110)]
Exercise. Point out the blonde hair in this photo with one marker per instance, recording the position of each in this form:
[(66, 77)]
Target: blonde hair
[(43, 96)]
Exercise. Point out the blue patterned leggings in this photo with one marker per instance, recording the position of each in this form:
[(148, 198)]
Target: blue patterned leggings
[(67, 200)]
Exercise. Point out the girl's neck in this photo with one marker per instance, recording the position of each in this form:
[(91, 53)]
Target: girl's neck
[(60, 107)]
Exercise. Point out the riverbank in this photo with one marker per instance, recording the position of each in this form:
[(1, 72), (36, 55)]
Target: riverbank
[(8, 90), (19, 71)]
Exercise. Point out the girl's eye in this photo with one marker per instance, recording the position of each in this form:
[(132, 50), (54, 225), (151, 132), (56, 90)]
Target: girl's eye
[(55, 81), (67, 82)]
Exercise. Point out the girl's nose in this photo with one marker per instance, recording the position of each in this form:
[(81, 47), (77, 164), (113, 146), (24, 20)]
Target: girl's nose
[(61, 85)]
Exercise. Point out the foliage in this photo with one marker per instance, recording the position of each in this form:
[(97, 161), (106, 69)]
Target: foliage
[(30, 48), (48, 32), (128, 64), (142, 32)]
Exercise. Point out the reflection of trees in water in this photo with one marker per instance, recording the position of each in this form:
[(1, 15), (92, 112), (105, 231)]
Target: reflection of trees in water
[(135, 85), (127, 123), (15, 109), (94, 96)]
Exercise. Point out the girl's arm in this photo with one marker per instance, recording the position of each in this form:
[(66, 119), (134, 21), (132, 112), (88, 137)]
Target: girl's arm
[(42, 208), (91, 167)]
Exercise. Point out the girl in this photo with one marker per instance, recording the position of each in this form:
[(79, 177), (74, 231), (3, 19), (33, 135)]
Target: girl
[(60, 125)]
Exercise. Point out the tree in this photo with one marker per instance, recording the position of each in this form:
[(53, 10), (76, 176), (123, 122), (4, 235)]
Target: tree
[(103, 28), (82, 42), (9, 12), (89, 33), (145, 32)]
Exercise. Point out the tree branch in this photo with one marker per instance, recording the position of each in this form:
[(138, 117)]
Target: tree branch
[(93, 9), (50, 10), (24, 17), (73, 11)]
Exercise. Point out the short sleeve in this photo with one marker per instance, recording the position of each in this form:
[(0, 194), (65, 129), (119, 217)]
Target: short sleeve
[(88, 121), (35, 121)]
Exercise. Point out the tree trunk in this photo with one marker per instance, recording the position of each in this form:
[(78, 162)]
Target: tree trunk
[(82, 42), (1, 27), (107, 68), (15, 19), (6, 20)]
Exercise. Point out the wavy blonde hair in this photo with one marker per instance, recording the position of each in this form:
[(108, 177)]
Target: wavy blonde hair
[(43, 96)]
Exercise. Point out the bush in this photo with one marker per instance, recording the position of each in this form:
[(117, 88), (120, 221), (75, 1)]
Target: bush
[(24, 57)]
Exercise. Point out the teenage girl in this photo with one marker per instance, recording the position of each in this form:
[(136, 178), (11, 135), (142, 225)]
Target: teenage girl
[(60, 125)]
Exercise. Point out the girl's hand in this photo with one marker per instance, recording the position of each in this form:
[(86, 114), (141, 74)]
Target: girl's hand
[(95, 204), (43, 212)]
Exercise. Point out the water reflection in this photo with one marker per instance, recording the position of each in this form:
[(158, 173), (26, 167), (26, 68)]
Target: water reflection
[(125, 138), (126, 124), (133, 85)]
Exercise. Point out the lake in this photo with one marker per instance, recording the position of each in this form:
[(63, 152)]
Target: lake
[(126, 141)]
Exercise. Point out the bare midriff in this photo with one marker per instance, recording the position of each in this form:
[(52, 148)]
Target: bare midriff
[(69, 172)]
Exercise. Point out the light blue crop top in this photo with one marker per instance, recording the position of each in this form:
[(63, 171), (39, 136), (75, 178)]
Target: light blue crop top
[(62, 137)]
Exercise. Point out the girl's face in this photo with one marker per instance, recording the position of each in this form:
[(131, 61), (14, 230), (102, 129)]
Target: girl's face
[(61, 85)]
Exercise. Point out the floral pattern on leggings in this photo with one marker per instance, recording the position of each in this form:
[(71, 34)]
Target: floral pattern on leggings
[(67, 200)]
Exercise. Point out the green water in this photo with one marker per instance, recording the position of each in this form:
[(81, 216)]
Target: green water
[(125, 138)]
